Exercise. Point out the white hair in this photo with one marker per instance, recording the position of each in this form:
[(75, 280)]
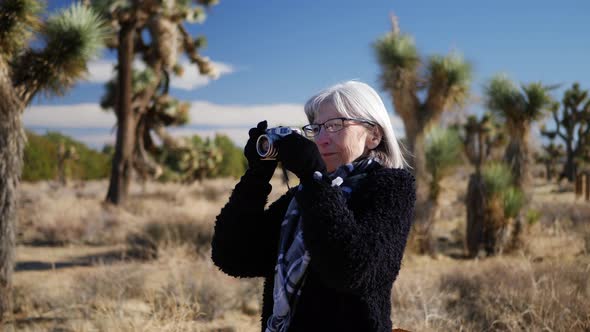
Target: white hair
[(354, 99)]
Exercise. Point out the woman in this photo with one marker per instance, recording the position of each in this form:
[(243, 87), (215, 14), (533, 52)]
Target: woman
[(329, 249)]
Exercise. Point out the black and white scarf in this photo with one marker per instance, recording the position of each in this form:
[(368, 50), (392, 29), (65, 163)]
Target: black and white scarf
[(293, 257)]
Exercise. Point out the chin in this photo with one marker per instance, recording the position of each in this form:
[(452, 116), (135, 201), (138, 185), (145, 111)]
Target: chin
[(332, 167)]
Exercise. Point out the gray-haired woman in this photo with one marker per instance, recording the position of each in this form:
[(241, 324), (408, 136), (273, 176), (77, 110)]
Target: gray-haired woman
[(331, 248)]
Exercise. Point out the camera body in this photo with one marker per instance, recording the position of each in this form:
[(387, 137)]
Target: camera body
[(265, 145)]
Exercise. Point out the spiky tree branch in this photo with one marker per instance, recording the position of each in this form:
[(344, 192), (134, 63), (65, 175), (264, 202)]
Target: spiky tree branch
[(573, 128), (445, 80), (519, 110), (71, 38), (152, 107)]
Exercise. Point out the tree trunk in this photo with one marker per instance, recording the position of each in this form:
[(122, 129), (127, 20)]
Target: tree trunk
[(517, 156), (494, 225), (569, 169), (122, 166), (476, 207), (12, 141), (425, 208), (145, 167)]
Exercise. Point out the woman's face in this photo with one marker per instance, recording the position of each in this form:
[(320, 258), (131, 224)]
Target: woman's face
[(344, 146)]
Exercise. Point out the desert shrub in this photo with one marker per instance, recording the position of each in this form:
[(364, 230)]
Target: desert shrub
[(513, 202), (233, 163), (60, 217), (207, 293), (532, 216), (521, 297), (157, 235), (210, 192), (110, 282), (497, 178), (40, 159)]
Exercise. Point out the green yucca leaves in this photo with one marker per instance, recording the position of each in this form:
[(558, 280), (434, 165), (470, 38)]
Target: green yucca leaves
[(503, 96), (513, 201), (448, 76), (537, 100), (443, 150), (140, 80), (75, 35), (452, 69), (107, 7), (497, 178), (72, 38), (18, 20), (397, 51)]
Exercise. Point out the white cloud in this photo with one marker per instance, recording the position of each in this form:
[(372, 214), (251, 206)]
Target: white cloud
[(78, 115), (238, 135), (100, 71), (206, 113), (206, 119), (98, 140), (192, 79)]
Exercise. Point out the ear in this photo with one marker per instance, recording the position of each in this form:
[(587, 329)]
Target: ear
[(373, 138)]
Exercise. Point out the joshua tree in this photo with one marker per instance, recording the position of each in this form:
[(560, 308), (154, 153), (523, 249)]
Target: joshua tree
[(443, 153), (176, 159), (550, 157), (480, 140), (70, 39), (64, 156), (519, 110), (445, 83), (140, 99), (502, 204), (572, 125)]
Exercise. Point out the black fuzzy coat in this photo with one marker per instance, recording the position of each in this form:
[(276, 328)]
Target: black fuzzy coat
[(356, 248)]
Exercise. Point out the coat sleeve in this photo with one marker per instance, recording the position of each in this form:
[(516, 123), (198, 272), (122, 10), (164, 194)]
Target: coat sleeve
[(359, 247), (246, 235)]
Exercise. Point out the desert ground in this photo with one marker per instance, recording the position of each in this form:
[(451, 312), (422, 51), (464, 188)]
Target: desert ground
[(86, 266)]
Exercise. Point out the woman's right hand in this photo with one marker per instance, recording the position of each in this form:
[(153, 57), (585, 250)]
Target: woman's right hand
[(263, 169)]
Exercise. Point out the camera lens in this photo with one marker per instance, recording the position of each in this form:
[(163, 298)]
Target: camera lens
[(263, 146)]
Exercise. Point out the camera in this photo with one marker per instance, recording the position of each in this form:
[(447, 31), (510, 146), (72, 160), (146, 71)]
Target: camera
[(265, 145)]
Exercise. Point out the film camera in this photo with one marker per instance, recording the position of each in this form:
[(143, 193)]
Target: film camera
[(265, 145)]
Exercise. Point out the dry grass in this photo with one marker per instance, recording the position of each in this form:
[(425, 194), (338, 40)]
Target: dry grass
[(498, 294), (177, 292), (91, 280)]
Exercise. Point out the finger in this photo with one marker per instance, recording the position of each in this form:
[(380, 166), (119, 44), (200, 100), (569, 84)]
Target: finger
[(253, 133), (262, 125)]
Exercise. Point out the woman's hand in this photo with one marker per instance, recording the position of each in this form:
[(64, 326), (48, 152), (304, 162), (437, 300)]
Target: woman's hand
[(264, 169), (300, 156)]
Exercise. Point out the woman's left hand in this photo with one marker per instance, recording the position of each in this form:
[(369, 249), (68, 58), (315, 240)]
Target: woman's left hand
[(300, 156)]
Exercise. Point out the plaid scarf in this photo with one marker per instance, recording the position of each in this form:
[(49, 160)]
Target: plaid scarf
[(294, 258)]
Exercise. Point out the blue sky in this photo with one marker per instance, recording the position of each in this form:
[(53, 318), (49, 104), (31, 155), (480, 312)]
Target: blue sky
[(275, 54)]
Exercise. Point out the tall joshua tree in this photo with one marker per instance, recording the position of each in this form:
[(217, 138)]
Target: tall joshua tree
[(480, 140), (572, 126), (519, 110), (445, 83), (148, 106), (70, 39), (443, 154), (550, 157)]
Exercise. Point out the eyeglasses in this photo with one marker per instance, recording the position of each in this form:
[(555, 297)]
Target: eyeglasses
[(331, 126)]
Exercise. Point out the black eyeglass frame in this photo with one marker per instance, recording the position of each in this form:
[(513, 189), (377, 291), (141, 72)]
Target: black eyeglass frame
[(307, 128)]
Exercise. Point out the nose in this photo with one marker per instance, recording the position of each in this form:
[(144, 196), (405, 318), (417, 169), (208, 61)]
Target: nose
[(323, 137)]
